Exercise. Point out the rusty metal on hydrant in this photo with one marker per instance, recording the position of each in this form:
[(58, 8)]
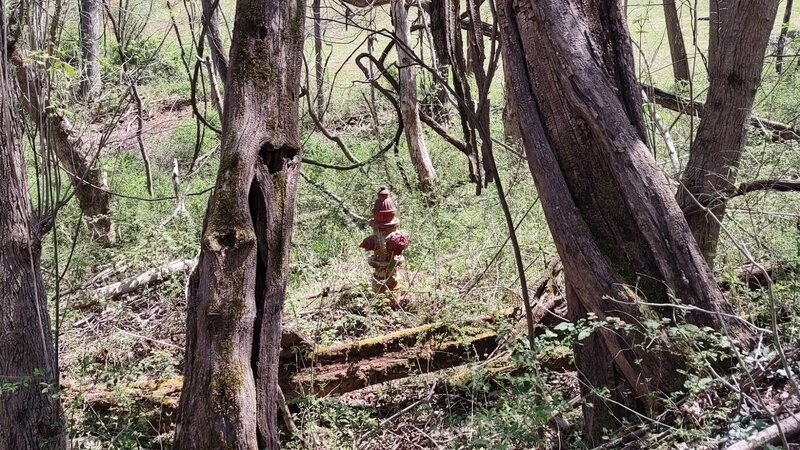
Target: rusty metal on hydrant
[(386, 242)]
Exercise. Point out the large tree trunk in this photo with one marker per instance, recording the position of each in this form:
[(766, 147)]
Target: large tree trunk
[(31, 416), (739, 33), (235, 296), (76, 158), (617, 227), (680, 63), (90, 47), (409, 106), (217, 50)]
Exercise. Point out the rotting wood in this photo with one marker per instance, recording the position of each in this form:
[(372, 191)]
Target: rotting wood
[(343, 368)]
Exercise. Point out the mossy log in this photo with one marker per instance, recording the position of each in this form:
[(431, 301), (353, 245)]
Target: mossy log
[(342, 368)]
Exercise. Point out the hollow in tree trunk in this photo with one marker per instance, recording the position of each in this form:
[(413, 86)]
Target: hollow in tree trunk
[(236, 293), (677, 48), (90, 48), (31, 416), (739, 33), (409, 106), (616, 225)]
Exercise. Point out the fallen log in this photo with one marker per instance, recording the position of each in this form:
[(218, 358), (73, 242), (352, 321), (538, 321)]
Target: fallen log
[(342, 368), (398, 340), (340, 377), (148, 277), (337, 376), (787, 428), (778, 130)]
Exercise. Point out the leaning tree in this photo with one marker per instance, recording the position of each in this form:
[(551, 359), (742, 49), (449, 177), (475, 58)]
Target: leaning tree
[(236, 293), (31, 416), (624, 243)]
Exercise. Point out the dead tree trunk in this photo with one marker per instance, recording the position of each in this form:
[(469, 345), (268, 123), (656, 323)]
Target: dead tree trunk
[(409, 106), (90, 48), (217, 50), (31, 416), (612, 215), (235, 296), (77, 159), (680, 63), (787, 16), (739, 33)]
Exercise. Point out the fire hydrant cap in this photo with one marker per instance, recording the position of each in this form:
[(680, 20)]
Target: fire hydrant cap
[(383, 211)]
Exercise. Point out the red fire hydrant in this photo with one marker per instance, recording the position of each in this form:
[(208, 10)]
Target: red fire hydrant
[(387, 243)]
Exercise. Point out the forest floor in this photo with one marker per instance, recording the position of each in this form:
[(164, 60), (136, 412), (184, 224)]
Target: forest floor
[(121, 357)]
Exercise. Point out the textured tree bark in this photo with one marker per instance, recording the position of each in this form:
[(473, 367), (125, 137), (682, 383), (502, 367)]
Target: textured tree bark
[(31, 416), (217, 50), (618, 230), (77, 159), (90, 48), (787, 16), (409, 106), (739, 33), (235, 296), (510, 119), (680, 63)]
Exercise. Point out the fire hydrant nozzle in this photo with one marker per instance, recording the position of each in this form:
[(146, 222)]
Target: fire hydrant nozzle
[(386, 241)]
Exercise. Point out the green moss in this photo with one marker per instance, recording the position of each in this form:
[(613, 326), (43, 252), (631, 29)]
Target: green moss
[(225, 388), (258, 67)]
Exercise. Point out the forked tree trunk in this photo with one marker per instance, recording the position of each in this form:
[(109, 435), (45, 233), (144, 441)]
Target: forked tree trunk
[(677, 48), (236, 293), (216, 49), (90, 48), (739, 33), (617, 227), (76, 158), (787, 16), (409, 106), (31, 416)]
